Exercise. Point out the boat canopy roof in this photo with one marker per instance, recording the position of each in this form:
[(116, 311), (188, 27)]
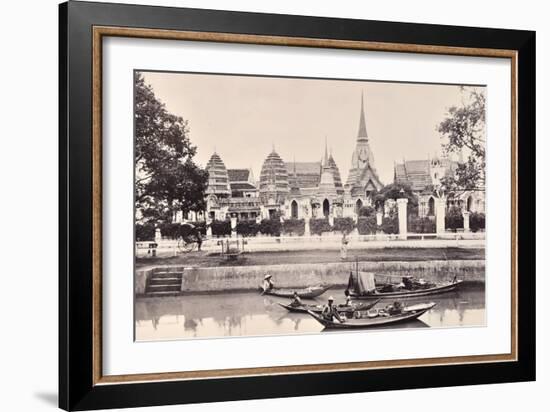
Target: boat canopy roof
[(361, 282)]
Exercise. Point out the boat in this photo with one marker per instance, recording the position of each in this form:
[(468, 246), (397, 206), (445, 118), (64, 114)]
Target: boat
[(361, 285), (375, 318), (304, 293), (348, 310)]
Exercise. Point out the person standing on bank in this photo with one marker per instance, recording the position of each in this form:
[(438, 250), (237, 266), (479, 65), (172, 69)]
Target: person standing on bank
[(198, 235), (344, 247)]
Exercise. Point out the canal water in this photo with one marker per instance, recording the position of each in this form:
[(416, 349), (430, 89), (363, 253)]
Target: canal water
[(250, 314)]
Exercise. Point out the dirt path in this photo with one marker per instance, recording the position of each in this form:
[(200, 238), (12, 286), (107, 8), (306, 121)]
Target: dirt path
[(203, 259)]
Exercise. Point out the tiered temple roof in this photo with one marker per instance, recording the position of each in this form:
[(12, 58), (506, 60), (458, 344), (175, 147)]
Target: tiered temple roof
[(328, 185), (417, 173), (218, 179), (274, 185), (336, 175)]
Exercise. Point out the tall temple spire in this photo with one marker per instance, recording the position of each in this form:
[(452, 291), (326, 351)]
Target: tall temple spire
[(362, 133), (325, 159)]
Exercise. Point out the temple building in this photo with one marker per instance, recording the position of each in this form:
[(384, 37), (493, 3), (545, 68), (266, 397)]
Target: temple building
[(422, 176), (295, 189), (363, 181)]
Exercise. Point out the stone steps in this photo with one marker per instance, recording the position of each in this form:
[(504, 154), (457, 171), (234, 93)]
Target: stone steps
[(164, 284)]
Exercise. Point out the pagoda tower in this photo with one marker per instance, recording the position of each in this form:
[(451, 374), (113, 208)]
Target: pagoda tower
[(218, 179)]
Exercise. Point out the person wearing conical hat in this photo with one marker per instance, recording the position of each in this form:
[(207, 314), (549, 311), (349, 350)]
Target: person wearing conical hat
[(330, 312), (268, 283)]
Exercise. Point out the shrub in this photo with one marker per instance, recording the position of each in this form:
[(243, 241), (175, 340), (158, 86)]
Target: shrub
[(271, 227), (477, 221), (367, 211), (343, 224), (247, 228), (145, 232), (221, 227), (171, 230), (318, 226), (390, 225), (421, 225), (454, 219), (294, 227), (366, 225)]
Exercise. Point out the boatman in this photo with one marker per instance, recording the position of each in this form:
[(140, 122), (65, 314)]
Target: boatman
[(330, 312), (348, 297), (296, 301), (268, 283)]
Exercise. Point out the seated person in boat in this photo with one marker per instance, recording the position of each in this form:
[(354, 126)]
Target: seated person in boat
[(348, 298), (395, 309), (411, 283), (296, 301), (330, 312), (268, 283)]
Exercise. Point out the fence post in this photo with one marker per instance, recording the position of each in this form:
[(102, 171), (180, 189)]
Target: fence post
[(466, 217), (402, 217), (439, 216)]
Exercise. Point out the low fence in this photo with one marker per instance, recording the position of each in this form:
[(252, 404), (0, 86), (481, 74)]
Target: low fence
[(169, 247)]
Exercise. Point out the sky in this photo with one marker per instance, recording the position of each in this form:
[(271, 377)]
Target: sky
[(243, 117)]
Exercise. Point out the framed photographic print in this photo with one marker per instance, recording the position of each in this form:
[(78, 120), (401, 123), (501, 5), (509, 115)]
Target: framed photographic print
[(256, 205)]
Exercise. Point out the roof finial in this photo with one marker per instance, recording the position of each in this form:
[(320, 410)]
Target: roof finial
[(325, 161), (362, 133)]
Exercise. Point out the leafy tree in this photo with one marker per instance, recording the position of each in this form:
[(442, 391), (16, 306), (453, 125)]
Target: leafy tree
[(167, 180), (463, 128), (401, 190)]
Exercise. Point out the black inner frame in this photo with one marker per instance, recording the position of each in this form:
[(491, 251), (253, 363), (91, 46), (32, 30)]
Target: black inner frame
[(76, 388)]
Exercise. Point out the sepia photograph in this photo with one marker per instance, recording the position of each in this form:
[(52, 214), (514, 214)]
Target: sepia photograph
[(282, 205)]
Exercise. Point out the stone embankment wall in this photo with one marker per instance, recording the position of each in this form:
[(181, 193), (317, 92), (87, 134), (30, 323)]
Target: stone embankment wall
[(241, 278)]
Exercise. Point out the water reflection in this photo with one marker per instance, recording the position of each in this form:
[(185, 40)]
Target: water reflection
[(249, 314)]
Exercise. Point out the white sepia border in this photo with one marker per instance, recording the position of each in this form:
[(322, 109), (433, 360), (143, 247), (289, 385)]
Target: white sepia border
[(121, 355)]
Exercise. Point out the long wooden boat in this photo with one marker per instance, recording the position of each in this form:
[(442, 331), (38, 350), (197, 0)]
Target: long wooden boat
[(408, 293), (304, 293), (346, 309), (380, 319)]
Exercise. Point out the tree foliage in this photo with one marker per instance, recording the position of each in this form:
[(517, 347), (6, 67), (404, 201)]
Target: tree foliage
[(166, 178), (463, 129), (272, 226), (454, 218), (343, 224), (318, 226), (396, 191), (367, 211), (294, 227), (366, 225), (247, 228), (477, 221)]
